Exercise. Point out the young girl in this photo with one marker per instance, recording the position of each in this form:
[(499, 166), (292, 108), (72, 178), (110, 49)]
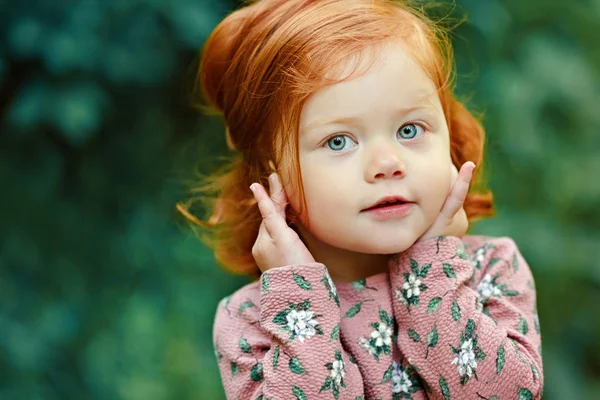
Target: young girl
[(369, 288)]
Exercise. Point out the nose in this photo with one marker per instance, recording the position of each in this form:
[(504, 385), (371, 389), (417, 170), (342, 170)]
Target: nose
[(384, 163)]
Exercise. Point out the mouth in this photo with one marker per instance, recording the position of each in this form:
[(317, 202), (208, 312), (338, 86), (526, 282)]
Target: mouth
[(388, 202)]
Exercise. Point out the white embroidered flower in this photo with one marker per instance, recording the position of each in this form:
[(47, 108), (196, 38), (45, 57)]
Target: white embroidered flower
[(364, 342), (412, 286), (338, 372), (382, 335), (301, 324), (400, 379), (487, 289), (465, 359), (478, 256), (400, 296)]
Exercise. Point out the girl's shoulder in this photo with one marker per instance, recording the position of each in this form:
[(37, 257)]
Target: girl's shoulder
[(236, 312), (501, 244), (244, 300)]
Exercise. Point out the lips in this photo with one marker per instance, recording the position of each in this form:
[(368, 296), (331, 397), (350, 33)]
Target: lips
[(388, 201)]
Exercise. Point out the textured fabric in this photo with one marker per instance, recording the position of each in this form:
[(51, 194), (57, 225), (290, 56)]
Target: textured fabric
[(452, 319)]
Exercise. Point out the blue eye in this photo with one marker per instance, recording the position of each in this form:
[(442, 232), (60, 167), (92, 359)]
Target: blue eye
[(340, 142), (409, 131)]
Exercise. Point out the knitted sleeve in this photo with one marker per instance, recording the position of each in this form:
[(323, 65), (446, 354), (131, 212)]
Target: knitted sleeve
[(468, 322), (282, 341)]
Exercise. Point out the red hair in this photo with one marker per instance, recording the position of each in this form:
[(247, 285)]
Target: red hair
[(261, 64)]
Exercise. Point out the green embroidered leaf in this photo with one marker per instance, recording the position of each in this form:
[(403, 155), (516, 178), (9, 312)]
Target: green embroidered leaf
[(388, 374), (479, 354), (281, 317), (432, 337), (493, 262), (414, 266), (355, 309), (455, 311), (299, 393), (500, 359), (338, 355), (235, 369), (260, 397), (424, 271), (434, 305), (336, 392), (265, 282), (414, 335), (536, 322), (301, 282), (276, 358), (445, 388), (525, 394), (535, 372), (256, 373), (510, 293), (449, 271), (385, 317), (470, 328), (335, 333), (244, 346), (522, 326), (327, 384), (460, 252), (245, 305), (225, 301), (295, 366), (359, 285), (304, 306), (515, 262)]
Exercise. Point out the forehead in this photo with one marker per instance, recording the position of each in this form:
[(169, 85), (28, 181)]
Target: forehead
[(380, 78)]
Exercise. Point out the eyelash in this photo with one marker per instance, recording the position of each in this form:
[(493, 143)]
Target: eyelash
[(418, 125)]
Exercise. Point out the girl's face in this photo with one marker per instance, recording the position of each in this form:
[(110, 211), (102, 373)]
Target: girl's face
[(380, 134)]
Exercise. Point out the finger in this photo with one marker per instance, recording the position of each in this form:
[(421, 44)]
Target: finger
[(278, 194), (274, 223), (459, 191)]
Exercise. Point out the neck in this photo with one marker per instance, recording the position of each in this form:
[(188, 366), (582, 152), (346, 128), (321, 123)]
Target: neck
[(343, 265)]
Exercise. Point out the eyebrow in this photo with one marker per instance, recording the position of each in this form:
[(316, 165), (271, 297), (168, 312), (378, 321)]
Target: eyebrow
[(355, 120)]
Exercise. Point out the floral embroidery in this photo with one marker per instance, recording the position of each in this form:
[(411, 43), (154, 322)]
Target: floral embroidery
[(299, 321), (465, 359), (479, 255), (400, 379), (468, 353), (405, 380), (413, 286), (489, 288), (337, 372), (301, 324), (380, 339)]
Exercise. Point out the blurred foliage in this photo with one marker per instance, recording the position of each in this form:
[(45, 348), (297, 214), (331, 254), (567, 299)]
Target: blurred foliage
[(103, 295)]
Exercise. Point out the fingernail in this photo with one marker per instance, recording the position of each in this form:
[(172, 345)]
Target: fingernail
[(253, 187), (272, 179)]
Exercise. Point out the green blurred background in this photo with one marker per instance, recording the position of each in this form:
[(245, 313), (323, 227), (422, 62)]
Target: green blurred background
[(104, 291)]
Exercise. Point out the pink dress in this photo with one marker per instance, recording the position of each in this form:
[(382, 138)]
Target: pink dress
[(452, 319)]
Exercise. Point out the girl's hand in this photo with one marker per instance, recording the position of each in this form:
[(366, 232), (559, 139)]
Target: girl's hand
[(277, 244), (452, 220)]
